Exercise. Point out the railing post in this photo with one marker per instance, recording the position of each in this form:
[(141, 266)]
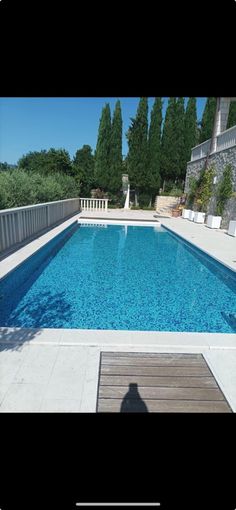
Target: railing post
[(20, 227), (48, 215)]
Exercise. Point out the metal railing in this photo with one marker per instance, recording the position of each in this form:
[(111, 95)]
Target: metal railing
[(22, 223), (94, 204)]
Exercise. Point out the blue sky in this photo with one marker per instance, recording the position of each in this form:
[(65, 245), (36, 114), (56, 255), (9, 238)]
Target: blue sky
[(33, 124)]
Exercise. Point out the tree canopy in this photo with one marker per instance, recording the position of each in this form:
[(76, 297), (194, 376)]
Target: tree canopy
[(116, 150), (83, 169), (46, 162), (137, 159), (208, 119), (168, 142), (154, 147), (190, 127), (102, 154)]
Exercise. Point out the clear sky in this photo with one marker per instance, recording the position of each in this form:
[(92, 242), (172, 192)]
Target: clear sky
[(33, 124)]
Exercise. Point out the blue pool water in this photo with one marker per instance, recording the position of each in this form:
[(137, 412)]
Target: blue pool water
[(119, 277)]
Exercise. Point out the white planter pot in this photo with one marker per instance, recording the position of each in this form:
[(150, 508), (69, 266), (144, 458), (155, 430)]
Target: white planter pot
[(199, 217), (213, 221), (232, 228), (185, 213), (191, 215)]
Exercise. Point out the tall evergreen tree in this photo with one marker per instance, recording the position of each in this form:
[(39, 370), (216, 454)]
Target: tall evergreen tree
[(137, 159), (168, 142), (102, 155), (179, 139), (83, 169), (116, 150), (190, 127), (232, 115), (208, 119), (154, 148)]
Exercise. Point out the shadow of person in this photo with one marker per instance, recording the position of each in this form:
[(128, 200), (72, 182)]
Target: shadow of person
[(132, 402)]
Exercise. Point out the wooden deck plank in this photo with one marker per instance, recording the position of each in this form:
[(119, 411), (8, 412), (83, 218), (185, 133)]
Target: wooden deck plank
[(179, 382), (169, 371), (164, 393), (167, 406), (158, 382), (176, 355), (145, 362)]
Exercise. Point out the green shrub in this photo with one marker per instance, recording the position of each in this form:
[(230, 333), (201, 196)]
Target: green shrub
[(224, 191), (5, 190), (116, 200), (174, 192), (204, 189), (20, 188), (138, 208), (193, 185), (48, 189), (144, 200), (16, 189)]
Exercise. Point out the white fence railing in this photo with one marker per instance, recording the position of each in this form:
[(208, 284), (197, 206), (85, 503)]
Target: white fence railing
[(200, 151), (223, 141), (226, 139), (21, 223), (94, 204)]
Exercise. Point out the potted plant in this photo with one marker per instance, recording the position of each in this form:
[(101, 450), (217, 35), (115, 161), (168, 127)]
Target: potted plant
[(224, 192), (203, 194), (176, 212), (191, 215), (199, 217), (213, 221), (185, 213), (232, 228)]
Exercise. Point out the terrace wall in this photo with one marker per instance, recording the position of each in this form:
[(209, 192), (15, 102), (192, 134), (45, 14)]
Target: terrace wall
[(219, 159)]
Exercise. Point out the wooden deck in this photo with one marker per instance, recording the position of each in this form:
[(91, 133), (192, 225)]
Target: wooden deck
[(169, 383)]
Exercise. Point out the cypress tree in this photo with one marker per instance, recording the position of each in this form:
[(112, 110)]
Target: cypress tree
[(83, 169), (179, 139), (154, 148), (232, 115), (116, 150), (168, 142), (190, 127), (208, 119), (102, 155), (137, 160)]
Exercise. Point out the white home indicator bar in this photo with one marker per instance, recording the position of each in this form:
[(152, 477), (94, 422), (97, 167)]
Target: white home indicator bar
[(118, 504)]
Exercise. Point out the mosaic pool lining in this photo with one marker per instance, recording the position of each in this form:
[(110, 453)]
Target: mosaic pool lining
[(120, 277)]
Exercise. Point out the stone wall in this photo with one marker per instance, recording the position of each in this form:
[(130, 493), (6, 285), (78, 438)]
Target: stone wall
[(219, 160)]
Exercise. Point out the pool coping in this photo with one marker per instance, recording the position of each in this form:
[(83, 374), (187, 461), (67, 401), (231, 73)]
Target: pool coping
[(196, 244)]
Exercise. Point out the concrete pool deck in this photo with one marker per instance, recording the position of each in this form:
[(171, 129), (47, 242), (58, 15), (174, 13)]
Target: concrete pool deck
[(56, 370)]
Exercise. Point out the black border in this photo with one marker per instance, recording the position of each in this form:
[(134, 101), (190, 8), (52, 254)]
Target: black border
[(52, 460)]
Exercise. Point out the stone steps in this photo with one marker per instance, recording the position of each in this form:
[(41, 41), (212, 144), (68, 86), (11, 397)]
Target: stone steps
[(164, 205)]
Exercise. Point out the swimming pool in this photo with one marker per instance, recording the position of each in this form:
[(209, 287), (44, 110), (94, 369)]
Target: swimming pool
[(120, 277)]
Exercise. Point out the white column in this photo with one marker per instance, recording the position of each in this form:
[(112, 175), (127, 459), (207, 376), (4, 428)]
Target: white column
[(221, 119), (127, 199)]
